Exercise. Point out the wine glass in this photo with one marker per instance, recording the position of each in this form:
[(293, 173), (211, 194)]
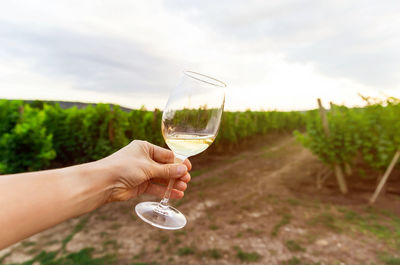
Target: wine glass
[(190, 123)]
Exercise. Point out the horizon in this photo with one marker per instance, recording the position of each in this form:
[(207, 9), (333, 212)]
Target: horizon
[(326, 105)]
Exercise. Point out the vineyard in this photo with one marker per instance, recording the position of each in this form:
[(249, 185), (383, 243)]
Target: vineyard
[(39, 136), (251, 200), (343, 136)]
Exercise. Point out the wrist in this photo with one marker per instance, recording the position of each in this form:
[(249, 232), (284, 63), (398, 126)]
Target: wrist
[(104, 171), (97, 181)]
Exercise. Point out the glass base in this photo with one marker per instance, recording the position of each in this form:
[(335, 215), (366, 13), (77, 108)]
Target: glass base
[(158, 215)]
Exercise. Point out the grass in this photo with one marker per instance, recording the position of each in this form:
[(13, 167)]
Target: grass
[(27, 243), (2, 258), (163, 238), (195, 173), (297, 261), (389, 259), (294, 246), (51, 242), (82, 257), (213, 227), (185, 251), (180, 233), (284, 221), (254, 232), (383, 225), (212, 253), (104, 234), (327, 220), (145, 263), (111, 243), (115, 226), (247, 256), (33, 251), (81, 224), (141, 254), (294, 261), (293, 202)]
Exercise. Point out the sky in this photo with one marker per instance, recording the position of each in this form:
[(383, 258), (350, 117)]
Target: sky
[(272, 54)]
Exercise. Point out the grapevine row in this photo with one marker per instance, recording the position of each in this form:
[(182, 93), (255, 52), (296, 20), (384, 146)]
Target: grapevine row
[(36, 137), (371, 133)]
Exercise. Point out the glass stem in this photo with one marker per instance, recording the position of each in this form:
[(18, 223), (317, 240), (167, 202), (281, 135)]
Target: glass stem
[(167, 194)]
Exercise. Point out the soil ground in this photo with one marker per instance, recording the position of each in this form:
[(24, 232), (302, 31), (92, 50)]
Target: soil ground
[(259, 206)]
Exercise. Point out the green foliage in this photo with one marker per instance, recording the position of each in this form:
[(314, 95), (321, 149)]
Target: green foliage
[(39, 135), (9, 114), (371, 131), (27, 146), (237, 126)]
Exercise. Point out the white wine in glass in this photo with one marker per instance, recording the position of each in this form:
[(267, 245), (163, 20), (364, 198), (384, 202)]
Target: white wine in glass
[(188, 144), (190, 123)]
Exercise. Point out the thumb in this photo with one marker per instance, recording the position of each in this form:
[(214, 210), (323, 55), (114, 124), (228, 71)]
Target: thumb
[(169, 171)]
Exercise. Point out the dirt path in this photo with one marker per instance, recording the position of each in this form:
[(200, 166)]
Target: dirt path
[(244, 208)]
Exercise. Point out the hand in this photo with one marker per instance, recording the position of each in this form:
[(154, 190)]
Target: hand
[(141, 167)]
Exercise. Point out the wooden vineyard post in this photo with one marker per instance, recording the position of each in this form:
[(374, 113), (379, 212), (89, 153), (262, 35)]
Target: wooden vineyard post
[(346, 166), (322, 113), (336, 167), (385, 177), (347, 169)]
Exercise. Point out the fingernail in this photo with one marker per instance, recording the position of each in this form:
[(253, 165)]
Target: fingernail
[(182, 169)]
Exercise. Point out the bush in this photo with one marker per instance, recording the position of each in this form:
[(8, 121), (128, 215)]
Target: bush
[(27, 146)]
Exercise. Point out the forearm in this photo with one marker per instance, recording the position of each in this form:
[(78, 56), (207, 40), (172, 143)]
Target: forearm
[(32, 202)]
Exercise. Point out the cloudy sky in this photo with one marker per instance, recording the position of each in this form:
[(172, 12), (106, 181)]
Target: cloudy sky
[(272, 54)]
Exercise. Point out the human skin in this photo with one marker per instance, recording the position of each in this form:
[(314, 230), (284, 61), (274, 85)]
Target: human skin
[(32, 202)]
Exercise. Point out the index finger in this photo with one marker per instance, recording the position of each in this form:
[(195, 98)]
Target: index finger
[(161, 155), (165, 156)]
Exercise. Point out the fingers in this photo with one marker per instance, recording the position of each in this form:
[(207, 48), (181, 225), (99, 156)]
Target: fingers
[(188, 164), (161, 155), (185, 179), (168, 171), (159, 191), (165, 156), (178, 184)]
